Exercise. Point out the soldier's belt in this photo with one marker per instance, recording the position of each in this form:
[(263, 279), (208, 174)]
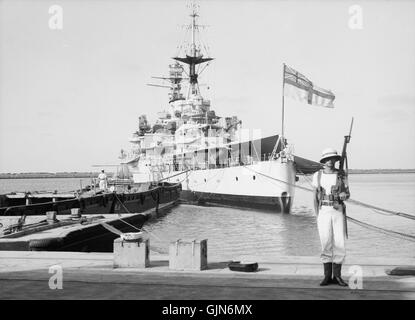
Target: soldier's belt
[(329, 197), (327, 203)]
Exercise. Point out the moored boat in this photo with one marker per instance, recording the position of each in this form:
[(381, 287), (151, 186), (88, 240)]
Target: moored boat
[(81, 234), (102, 202)]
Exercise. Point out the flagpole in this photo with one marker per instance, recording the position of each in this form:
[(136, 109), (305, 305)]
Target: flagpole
[(282, 117)]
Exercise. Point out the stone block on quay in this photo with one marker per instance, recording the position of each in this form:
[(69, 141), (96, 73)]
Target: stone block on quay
[(131, 254), (188, 255)]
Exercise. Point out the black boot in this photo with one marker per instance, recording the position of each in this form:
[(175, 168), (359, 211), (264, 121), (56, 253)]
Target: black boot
[(337, 275), (327, 274)]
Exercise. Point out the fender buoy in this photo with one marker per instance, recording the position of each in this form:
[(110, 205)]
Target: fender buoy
[(243, 267)]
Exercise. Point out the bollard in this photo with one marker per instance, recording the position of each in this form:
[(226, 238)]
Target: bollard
[(131, 253), (188, 255), (75, 213), (51, 217)]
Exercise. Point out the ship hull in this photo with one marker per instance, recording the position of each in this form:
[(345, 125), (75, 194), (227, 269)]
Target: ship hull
[(275, 204), (265, 185)]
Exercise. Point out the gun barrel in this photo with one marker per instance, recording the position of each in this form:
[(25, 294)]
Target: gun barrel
[(351, 127), (346, 141)]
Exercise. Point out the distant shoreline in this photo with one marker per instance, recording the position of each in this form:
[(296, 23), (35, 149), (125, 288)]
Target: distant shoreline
[(48, 175), (380, 171), (83, 175)]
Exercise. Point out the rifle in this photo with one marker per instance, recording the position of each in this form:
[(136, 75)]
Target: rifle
[(343, 174)]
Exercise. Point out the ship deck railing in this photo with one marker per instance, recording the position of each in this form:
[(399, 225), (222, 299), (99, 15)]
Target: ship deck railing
[(204, 165)]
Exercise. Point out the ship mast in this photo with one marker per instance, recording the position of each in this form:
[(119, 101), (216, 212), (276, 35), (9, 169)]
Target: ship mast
[(195, 56), (194, 15)]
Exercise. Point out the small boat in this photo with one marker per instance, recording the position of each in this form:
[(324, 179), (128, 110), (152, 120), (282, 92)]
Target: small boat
[(92, 202), (80, 234)]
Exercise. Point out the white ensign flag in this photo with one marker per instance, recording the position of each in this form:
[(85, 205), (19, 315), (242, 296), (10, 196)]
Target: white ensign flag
[(298, 87)]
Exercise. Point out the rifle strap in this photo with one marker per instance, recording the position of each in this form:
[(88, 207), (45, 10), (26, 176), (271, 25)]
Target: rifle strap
[(319, 179), (340, 181), (320, 192)]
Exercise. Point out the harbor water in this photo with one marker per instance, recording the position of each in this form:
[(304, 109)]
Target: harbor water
[(241, 234)]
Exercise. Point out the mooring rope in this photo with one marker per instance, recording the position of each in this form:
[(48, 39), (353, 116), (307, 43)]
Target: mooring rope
[(400, 214), (360, 223), (177, 174), (119, 214), (279, 180), (128, 211), (391, 233)]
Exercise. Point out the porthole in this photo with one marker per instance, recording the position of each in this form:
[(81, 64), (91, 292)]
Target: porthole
[(253, 177), (205, 179), (236, 178)]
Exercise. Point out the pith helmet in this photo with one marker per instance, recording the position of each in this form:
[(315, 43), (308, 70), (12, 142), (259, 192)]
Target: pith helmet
[(329, 153)]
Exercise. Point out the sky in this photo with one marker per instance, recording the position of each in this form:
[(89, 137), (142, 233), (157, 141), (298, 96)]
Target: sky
[(70, 98)]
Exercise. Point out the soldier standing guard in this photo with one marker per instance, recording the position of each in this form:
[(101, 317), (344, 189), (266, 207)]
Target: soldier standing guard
[(331, 190)]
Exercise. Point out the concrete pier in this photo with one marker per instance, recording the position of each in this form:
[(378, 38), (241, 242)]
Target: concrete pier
[(27, 274)]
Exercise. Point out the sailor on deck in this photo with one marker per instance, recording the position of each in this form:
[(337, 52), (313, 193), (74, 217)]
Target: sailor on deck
[(331, 189), (102, 177)]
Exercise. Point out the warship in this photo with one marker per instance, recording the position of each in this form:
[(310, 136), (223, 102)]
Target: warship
[(213, 157)]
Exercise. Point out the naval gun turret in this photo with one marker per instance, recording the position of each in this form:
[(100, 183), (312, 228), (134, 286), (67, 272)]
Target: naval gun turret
[(143, 125), (175, 78)]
